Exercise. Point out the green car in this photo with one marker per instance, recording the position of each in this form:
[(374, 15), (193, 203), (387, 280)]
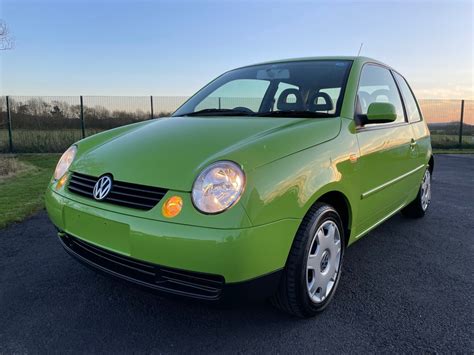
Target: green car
[(254, 187)]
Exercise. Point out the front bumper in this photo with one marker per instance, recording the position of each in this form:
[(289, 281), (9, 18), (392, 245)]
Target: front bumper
[(157, 278), (235, 255)]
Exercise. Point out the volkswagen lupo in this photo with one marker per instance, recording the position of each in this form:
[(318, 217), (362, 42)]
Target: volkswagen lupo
[(254, 187)]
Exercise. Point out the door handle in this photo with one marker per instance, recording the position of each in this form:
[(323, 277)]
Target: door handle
[(413, 144)]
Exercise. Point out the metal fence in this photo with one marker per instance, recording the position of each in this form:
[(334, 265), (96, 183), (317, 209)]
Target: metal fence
[(46, 124)]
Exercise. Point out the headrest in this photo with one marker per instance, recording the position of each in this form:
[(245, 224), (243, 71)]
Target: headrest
[(295, 104), (313, 104)]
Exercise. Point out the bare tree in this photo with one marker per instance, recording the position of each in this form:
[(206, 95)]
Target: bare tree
[(6, 40)]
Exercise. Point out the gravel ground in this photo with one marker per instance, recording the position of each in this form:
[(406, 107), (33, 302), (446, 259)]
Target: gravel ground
[(406, 287)]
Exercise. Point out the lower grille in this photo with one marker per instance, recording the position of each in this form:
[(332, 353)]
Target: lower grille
[(122, 193), (185, 283)]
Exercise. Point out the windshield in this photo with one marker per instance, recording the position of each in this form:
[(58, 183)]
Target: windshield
[(294, 89)]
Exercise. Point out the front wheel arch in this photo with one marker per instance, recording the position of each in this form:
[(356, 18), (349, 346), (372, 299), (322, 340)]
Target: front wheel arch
[(292, 294), (341, 204)]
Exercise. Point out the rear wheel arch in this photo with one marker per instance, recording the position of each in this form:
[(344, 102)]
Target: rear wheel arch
[(431, 164)]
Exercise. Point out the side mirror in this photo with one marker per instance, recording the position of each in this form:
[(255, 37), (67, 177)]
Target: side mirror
[(381, 112)]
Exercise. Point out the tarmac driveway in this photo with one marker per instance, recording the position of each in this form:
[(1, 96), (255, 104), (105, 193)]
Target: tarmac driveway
[(406, 287)]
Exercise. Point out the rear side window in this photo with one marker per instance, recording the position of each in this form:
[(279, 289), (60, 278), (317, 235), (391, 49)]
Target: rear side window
[(410, 103), (377, 85)]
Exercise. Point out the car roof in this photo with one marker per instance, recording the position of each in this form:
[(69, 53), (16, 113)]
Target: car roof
[(359, 59)]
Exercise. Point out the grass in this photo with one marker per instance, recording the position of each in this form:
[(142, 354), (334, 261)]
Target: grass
[(22, 191), (42, 141), (450, 141)]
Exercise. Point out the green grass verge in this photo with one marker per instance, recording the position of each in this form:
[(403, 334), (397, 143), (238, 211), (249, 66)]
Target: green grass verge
[(22, 195)]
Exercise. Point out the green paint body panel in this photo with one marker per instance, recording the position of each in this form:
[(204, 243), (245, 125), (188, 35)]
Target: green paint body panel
[(289, 164)]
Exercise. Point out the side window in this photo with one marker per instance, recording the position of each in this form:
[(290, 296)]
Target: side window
[(410, 103), (377, 85), (229, 96)]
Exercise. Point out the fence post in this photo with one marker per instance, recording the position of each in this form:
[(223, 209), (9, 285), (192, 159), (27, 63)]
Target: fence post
[(151, 107), (83, 127), (461, 123), (9, 122)]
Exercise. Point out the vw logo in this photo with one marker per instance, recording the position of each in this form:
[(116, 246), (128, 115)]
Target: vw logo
[(102, 187)]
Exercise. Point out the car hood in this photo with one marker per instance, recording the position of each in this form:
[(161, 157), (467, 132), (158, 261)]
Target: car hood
[(170, 152)]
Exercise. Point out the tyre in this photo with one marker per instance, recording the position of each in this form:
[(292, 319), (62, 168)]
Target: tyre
[(314, 264), (418, 207)]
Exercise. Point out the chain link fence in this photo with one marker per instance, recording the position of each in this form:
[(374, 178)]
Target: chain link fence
[(451, 122), (50, 124)]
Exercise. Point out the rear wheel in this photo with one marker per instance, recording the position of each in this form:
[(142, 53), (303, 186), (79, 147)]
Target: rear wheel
[(314, 265), (418, 207)]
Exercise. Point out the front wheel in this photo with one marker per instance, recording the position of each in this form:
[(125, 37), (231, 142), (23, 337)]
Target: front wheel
[(418, 207), (314, 264)]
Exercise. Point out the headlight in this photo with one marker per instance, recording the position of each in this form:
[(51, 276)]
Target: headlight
[(218, 187), (65, 162)]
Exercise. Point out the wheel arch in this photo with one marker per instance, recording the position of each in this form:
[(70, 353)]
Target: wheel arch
[(340, 202), (431, 164)]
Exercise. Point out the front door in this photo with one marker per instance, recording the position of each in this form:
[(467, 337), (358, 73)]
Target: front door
[(386, 159), (421, 134)]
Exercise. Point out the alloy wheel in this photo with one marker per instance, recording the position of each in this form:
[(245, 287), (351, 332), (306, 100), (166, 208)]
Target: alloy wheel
[(426, 190)]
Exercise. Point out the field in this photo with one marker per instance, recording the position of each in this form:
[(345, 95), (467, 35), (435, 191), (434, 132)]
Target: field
[(446, 141), (42, 141), (57, 141)]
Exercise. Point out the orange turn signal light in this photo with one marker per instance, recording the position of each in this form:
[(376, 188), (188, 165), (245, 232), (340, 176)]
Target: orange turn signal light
[(61, 182), (172, 207)]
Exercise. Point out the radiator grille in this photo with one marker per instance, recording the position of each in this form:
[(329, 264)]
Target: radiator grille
[(122, 193)]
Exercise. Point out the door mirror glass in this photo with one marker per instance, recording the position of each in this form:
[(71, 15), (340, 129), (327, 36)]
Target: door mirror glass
[(381, 112)]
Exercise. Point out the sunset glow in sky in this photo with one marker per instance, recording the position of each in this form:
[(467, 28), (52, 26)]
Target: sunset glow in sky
[(175, 47)]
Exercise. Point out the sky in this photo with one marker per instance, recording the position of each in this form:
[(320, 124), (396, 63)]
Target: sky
[(173, 48)]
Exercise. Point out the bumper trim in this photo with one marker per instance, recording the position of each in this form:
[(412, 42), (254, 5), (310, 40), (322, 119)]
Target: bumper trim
[(166, 280)]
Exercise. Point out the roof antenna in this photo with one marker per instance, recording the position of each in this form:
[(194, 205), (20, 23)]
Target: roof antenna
[(360, 48)]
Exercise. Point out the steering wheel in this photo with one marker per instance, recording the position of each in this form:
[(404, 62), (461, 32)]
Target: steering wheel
[(243, 109)]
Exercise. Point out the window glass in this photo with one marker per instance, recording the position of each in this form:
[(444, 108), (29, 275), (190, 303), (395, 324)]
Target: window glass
[(377, 85), (410, 103), (281, 89), (238, 93)]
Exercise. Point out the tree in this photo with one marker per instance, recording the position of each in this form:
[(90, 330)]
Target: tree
[(56, 112), (6, 40)]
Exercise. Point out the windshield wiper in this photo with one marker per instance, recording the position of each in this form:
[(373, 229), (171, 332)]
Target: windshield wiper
[(304, 114), (218, 112)]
